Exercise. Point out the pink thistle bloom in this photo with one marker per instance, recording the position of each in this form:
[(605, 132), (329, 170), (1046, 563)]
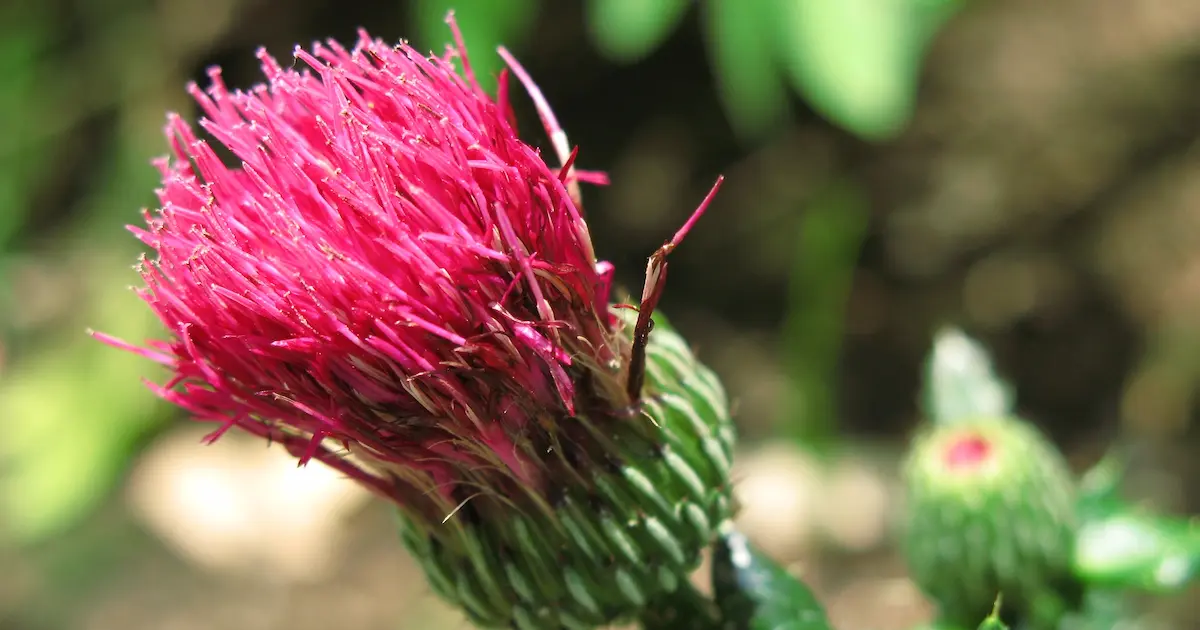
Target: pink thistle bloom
[(391, 282), (390, 270)]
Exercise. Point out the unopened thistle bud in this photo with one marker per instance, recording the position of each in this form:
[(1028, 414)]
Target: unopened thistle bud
[(391, 282), (991, 512)]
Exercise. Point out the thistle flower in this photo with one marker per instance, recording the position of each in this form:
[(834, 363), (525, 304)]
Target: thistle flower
[(991, 512), (392, 283)]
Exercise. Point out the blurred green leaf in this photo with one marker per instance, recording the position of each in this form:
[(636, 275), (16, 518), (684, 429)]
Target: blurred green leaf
[(1121, 546), (1100, 489), (20, 178), (485, 24), (629, 30), (743, 60), (685, 608), (755, 593), (857, 61), (830, 237), (72, 413), (960, 381), (1139, 551), (22, 38), (931, 15)]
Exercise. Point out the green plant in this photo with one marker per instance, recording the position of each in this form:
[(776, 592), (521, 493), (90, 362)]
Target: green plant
[(392, 283), (854, 61), (994, 508)]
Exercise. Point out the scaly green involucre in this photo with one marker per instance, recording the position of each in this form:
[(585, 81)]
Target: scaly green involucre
[(617, 533), (991, 512)]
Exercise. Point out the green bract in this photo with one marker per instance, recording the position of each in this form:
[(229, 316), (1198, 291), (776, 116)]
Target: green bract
[(617, 533), (991, 511)]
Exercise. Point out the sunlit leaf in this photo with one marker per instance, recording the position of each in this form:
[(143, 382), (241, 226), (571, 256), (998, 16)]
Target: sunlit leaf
[(1120, 546), (1139, 551), (857, 61), (755, 593), (628, 30)]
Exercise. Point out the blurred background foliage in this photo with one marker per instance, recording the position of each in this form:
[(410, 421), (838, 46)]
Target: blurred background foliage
[(1024, 169)]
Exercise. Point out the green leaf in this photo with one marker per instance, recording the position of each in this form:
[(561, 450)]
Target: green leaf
[(743, 60), (1100, 489), (1121, 547), (930, 15), (485, 24), (20, 178), (26, 155), (960, 382), (755, 593), (1158, 554), (858, 61), (683, 609), (628, 30), (829, 240)]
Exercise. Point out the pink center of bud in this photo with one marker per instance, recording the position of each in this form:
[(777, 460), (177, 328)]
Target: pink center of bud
[(968, 451)]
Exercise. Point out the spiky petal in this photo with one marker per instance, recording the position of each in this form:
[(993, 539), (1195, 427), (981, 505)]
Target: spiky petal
[(389, 266), (390, 281)]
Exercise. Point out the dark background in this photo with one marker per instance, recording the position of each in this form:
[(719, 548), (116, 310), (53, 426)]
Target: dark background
[(1034, 179)]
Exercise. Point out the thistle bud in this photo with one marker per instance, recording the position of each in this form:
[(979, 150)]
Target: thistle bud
[(392, 283), (991, 512)]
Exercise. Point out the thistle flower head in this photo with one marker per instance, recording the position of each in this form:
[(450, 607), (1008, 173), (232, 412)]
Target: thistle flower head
[(389, 266), (993, 499), (390, 281)]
